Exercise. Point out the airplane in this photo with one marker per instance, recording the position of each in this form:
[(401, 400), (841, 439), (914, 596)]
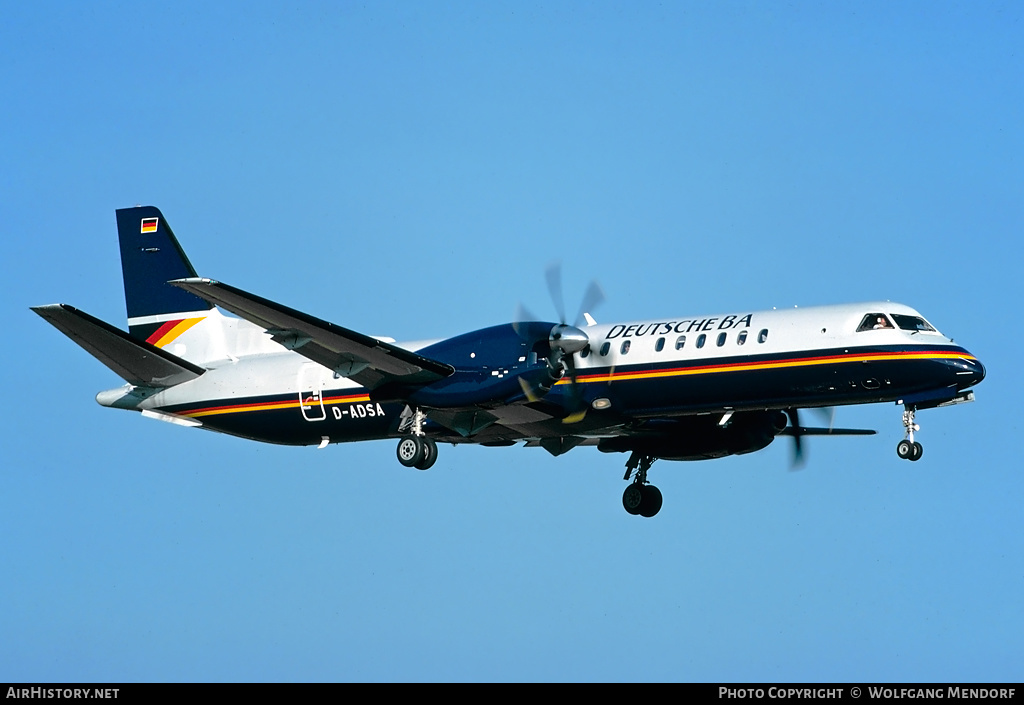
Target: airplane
[(682, 388)]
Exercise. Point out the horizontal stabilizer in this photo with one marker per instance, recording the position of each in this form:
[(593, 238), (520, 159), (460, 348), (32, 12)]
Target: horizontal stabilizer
[(368, 361), (135, 361)]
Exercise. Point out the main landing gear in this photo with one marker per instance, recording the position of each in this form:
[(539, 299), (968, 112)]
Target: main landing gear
[(640, 497), (908, 448), (417, 450)]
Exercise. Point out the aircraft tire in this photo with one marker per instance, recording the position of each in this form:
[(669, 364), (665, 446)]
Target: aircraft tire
[(410, 451), (651, 503), (905, 449), (429, 454), (917, 452), (633, 498)]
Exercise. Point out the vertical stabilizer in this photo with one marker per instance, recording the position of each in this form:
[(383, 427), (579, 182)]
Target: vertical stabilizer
[(150, 257)]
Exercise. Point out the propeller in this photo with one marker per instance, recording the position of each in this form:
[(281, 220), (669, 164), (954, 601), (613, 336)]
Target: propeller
[(798, 431), (567, 340), (564, 340), (593, 297)]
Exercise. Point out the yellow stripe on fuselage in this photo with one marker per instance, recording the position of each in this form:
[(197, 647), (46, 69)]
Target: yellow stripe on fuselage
[(271, 406), (173, 333)]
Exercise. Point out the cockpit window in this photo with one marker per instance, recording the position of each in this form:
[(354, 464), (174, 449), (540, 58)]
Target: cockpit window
[(911, 322), (875, 321)]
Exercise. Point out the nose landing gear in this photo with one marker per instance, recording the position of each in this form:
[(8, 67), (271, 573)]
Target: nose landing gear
[(640, 497), (908, 448)]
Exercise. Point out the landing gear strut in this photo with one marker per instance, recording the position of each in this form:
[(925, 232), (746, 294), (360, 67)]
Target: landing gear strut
[(417, 450), (640, 497), (908, 448)]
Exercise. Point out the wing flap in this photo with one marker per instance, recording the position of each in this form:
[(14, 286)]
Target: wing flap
[(135, 361), (368, 361)]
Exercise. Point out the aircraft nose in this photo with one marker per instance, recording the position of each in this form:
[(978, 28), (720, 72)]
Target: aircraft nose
[(977, 373)]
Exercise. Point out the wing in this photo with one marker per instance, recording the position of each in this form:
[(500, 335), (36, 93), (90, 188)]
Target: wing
[(368, 361), (135, 361), (805, 431)]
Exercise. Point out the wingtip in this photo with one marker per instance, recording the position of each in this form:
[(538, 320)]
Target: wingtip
[(186, 282), (49, 308)]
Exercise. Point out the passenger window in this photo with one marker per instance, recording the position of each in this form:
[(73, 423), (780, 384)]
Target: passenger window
[(680, 342), (605, 348), (700, 340), (585, 351), (763, 335), (874, 321), (741, 338), (625, 347), (721, 339), (660, 345)]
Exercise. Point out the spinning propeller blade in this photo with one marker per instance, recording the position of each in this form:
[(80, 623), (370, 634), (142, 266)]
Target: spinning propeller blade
[(797, 433), (593, 298), (553, 274)]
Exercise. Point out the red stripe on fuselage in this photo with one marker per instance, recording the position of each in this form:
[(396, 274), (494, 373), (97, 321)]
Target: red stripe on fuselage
[(162, 331)]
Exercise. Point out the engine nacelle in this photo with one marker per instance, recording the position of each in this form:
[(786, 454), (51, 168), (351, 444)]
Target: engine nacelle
[(701, 437), (468, 388), (493, 366)]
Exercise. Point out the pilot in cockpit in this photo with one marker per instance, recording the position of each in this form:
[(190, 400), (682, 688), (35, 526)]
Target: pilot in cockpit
[(875, 321)]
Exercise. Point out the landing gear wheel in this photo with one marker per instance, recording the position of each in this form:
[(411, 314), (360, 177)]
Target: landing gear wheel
[(651, 503), (429, 454), (411, 451), (640, 497), (908, 448), (642, 500), (633, 498), (918, 450)]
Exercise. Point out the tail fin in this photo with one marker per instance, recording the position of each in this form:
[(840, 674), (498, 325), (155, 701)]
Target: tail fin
[(150, 257)]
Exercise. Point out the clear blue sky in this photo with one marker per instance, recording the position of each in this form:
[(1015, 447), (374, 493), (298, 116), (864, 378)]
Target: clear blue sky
[(409, 169)]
